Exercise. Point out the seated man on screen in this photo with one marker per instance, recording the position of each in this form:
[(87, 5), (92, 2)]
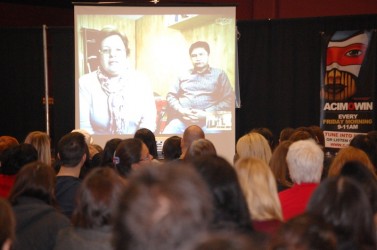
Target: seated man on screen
[(115, 99), (203, 96)]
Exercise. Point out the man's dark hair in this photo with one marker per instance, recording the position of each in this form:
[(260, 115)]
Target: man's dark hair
[(199, 44), (71, 148)]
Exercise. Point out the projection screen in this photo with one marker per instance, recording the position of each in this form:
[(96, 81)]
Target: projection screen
[(154, 76)]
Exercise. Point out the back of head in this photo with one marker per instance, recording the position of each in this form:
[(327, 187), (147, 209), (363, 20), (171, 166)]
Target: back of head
[(304, 232), (339, 201), (36, 180), (71, 148), (305, 161), (16, 157), (361, 174), (200, 147), (127, 153), (7, 142), (368, 145), (191, 134), (319, 134), (259, 186), (231, 210), (267, 133), (172, 148), (97, 197), (8, 224), (41, 141), (224, 241), (88, 138), (162, 208), (278, 163), (285, 133), (349, 154), (108, 151), (149, 139), (254, 145)]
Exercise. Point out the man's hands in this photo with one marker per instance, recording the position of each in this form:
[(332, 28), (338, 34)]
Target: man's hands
[(193, 115)]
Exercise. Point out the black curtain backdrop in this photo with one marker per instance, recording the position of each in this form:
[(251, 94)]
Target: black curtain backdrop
[(22, 81), (279, 73)]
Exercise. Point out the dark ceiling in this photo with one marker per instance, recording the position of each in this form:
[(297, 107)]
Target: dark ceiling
[(70, 4)]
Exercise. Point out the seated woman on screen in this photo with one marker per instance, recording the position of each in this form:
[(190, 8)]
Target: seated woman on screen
[(114, 99)]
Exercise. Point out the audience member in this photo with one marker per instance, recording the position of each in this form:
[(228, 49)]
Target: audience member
[(253, 145), (41, 141), (162, 208), (225, 241), (298, 135), (349, 154), (230, 207), (368, 145), (33, 200), (72, 152), (360, 173), (319, 134), (131, 154), (171, 150), (259, 186), (279, 166), (7, 142), (8, 225), (149, 139), (108, 152), (304, 232), (13, 159), (344, 205), (285, 133), (267, 134), (190, 134), (96, 200), (305, 164), (200, 147)]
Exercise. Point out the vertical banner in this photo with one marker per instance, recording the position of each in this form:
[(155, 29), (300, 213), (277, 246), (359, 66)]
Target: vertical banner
[(348, 80)]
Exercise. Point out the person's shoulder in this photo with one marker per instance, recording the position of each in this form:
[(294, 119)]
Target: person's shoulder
[(88, 78)]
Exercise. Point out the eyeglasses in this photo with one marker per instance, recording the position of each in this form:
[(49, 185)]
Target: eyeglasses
[(108, 51)]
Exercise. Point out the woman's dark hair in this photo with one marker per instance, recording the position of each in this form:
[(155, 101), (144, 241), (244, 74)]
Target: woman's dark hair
[(230, 208), (306, 231), (37, 180), (8, 222), (127, 153), (343, 204), (368, 145), (172, 148), (97, 197), (149, 139), (360, 173), (108, 152), (14, 158)]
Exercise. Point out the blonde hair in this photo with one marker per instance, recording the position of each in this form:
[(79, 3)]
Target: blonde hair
[(259, 186), (254, 145), (347, 154), (41, 141)]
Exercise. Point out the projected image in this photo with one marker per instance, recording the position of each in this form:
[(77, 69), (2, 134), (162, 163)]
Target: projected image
[(163, 72), (115, 99)]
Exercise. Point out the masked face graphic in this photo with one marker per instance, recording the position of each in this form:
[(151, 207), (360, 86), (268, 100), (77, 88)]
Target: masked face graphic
[(343, 62)]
